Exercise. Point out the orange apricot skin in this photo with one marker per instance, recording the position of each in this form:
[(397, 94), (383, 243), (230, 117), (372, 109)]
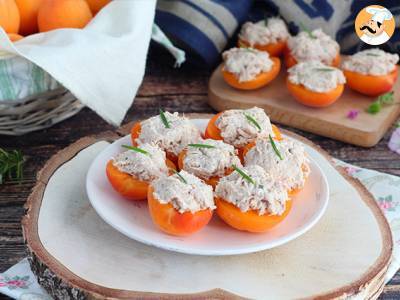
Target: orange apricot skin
[(261, 80), (249, 221), (14, 37), (370, 85), (290, 61), (314, 99), (125, 184), (171, 221), (135, 132), (273, 49)]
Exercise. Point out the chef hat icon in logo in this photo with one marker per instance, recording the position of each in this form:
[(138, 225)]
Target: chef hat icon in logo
[(375, 25)]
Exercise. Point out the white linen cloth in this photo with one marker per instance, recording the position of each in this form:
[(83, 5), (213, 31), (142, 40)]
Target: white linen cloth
[(103, 64)]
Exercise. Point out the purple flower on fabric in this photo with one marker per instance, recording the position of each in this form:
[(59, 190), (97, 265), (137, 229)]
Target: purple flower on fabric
[(394, 142), (352, 114)]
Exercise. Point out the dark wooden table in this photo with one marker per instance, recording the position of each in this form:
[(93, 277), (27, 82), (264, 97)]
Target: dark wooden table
[(183, 90)]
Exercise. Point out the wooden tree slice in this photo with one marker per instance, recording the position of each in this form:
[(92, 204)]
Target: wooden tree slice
[(76, 255), (366, 130)]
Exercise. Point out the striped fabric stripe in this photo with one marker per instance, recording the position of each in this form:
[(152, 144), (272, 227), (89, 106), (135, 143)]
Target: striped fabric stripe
[(202, 26)]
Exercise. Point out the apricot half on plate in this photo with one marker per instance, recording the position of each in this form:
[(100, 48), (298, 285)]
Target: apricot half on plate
[(261, 79)]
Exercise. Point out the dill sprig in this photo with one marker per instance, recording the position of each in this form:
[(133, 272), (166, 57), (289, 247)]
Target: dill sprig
[(201, 146), (253, 121), (244, 175), (305, 29), (275, 148), (136, 149), (11, 165), (376, 106), (164, 119), (179, 175)]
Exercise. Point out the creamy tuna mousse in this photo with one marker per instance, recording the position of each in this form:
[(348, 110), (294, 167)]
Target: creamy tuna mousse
[(173, 139), (264, 32), (212, 161), (315, 45), (373, 62), (238, 130), (145, 167), (265, 195), (316, 76), (186, 192), (291, 171), (246, 63)]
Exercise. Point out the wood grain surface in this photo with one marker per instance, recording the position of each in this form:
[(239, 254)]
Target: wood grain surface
[(183, 90)]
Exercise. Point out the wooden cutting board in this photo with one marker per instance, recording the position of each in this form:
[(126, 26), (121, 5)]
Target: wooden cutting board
[(76, 255), (366, 130)]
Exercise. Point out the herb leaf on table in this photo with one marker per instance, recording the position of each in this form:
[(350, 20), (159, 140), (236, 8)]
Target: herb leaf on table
[(376, 106), (11, 165)]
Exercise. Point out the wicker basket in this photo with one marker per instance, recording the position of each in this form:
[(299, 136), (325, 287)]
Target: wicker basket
[(37, 112)]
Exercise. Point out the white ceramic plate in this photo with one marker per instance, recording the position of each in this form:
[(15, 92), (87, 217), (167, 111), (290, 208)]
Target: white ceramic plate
[(133, 220)]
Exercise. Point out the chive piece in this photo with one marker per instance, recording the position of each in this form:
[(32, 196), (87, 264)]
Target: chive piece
[(164, 119), (266, 20), (372, 54), (304, 28), (11, 165), (253, 121), (179, 175), (324, 69), (275, 148), (244, 175), (201, 146), (136, 149)]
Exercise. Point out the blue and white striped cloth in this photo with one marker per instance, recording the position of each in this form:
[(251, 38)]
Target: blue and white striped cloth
[(203, 28)]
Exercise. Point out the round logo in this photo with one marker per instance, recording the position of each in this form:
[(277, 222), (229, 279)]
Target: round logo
[(375, 25)]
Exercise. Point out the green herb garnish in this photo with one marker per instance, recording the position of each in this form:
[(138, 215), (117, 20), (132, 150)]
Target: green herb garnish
[(382, 100), (253, 121), (266, 20), (372, 54), (136, 149), (11, 165), (201, 146), (179, 175), (305, 29), (244, 175), (275, 148), (324, 69), (164, 119)]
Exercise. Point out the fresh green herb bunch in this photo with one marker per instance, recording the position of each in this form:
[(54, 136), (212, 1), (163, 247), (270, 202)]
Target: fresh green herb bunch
[(376, 106), (11, 165)]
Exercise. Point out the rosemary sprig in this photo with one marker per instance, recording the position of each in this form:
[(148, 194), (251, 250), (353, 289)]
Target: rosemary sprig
[(275, 148), (179, 175), (164, 119), (136, 149), (305, 29), (244, 175), (324, 69), (201, 146), (376, 106), (11, 165), (253, 121)]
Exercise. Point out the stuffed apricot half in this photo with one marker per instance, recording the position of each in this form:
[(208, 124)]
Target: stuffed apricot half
[(130, 172), (268, 35), (285, 160), (171, 132), (180, 204), (312, 45), (248, 68), (209, 160), (249, 199), (371, 72), (314, 84)]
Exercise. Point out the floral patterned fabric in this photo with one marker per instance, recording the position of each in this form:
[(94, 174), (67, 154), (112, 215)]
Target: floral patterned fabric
[(19, 282)]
